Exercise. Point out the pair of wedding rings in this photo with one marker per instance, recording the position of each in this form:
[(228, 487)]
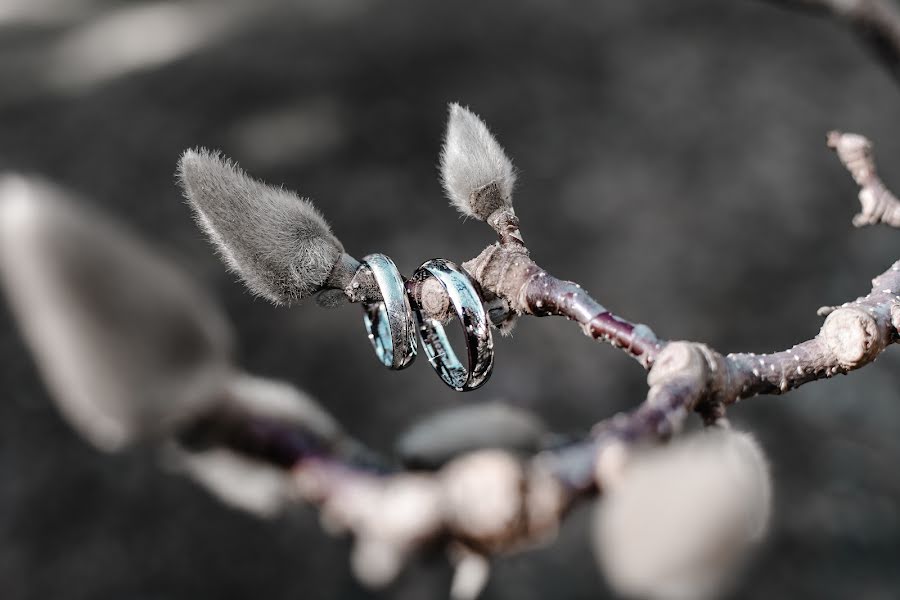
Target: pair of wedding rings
[(393, 321)]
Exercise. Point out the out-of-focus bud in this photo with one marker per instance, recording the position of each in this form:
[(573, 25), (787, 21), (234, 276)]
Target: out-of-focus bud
[(279, 400), (390, 519), (237, 481), (411, 510), (483, 497), (127, 345), (439, 438), (470, 574), (276, 241), (241, 481), (376, 562), (477, 175), (681, 519)]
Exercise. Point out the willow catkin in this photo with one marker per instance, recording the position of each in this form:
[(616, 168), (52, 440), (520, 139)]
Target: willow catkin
[(477, 175), (275, 240)]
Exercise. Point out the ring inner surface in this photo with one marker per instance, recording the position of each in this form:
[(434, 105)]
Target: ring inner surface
[(441, 355), (389, 322), (471, 315), (376, 320)]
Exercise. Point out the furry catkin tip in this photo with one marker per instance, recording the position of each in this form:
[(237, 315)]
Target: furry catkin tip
[(276, 241), (477, 175), (128, 346), (681, 518)]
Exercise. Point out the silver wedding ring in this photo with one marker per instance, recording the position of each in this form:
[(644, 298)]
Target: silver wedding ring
[(389, 322), (467, 304)]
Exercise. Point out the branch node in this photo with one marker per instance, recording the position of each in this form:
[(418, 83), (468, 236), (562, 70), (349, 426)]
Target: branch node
[(852, 335), (505, 222), (433, 298), (679, 359)]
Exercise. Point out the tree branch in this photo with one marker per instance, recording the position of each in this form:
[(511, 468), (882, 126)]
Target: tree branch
[(879, 205), (512, 284), (876, 22), (490, 501)]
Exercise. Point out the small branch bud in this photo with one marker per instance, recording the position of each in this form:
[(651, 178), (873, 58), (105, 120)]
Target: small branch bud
[(496, 479), (239, 482), (853, 336), (433, 298), (437, 439), (376, 562), (470, 575)]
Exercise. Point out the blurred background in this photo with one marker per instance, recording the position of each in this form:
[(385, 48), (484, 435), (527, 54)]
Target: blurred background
[(672, 161)]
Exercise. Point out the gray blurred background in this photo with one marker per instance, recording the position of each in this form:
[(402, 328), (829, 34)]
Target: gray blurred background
[(672, 161)]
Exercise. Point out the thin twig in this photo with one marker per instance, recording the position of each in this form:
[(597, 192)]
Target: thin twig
[(879, 204), (876, 22)]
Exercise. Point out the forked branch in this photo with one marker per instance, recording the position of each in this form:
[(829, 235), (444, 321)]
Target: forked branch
[(879, 204), (529, 497), (477, 502)]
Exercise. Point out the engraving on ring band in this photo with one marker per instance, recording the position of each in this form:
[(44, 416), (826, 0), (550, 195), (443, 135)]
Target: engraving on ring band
[(389, 322), (466, 302)]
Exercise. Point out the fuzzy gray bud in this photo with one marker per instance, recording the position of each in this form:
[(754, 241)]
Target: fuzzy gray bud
[(477, 175), (276, 241), (437, 439)]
